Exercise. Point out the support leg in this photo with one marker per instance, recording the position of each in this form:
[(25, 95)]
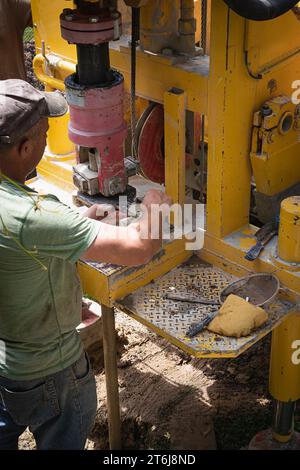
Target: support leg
[(175, 143), (284, 387), (111, 375)]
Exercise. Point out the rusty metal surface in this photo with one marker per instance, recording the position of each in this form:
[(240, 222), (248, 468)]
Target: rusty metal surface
[(172, 319), (105, 268)]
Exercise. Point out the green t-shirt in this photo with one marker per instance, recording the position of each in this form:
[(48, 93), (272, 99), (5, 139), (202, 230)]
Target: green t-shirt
[(39, 308)]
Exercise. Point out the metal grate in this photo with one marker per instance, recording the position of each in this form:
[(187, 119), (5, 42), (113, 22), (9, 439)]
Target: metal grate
[(172, 319)]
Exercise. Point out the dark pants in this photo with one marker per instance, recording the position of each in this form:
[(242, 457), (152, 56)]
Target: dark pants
[(59, 409)]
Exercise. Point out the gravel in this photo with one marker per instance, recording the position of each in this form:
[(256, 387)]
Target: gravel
[(29, 52)]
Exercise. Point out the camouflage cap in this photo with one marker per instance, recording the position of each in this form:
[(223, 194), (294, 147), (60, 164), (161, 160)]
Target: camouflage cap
[(22, 106)]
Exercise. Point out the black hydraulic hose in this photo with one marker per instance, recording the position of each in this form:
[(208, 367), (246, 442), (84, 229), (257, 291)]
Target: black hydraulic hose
[(261, 10)]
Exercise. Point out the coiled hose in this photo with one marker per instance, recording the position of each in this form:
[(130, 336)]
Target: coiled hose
[(261, 10)]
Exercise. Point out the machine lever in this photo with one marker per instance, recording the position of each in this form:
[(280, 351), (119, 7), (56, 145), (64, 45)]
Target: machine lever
[(263, 236), (194, 300), (196, 328)]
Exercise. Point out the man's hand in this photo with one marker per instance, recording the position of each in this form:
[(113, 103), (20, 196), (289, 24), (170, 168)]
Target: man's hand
[(133, 245), (104, 213), (154, 196), (99, 211)]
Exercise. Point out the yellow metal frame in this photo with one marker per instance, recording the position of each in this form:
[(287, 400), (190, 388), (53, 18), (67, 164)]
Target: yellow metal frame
[(248, 66)]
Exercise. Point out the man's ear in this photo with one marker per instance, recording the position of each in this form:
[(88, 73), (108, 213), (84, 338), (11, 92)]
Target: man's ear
[(25, 148)]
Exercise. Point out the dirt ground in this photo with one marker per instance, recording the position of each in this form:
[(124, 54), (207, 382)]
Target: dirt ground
[(172, 401)]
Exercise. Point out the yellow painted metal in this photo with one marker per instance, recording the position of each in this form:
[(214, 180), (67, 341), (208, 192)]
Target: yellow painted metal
[(168, 24), (289, 230), (175, 144), (267, 55), (159, 24), (126, 16), (106, 288), (234, 97), (226, 93), (47, 28), (52, 70), (275, 147), (185, 346), (229, 254), (157, 74), (58, 145), (230, 108), (57, 172), (285, 360), (229, 120)]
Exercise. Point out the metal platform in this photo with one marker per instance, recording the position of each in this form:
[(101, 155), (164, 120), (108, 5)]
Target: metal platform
[(172, 319)]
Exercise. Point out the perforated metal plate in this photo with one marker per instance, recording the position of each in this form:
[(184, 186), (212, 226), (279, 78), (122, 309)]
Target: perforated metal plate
[(172, 319)]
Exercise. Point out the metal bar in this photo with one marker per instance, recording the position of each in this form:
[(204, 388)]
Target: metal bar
[(203, 164), (93, 64), (283, 420), (111, 376), (175, 126), (135, 30), (284, 367), (193, 300), (285, 376), (204, 25)]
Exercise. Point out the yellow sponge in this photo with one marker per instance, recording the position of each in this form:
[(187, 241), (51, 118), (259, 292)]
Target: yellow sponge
[(237, 317)]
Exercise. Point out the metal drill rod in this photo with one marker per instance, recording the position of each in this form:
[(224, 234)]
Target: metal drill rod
[(135, 32), (283, 421), (202, 161), (93, 64)]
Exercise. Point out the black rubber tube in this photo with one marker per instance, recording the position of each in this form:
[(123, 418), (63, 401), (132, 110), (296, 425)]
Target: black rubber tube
[(261, 10)]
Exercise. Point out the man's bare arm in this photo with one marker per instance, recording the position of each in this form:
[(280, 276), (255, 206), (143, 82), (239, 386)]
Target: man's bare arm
[(128, 246)]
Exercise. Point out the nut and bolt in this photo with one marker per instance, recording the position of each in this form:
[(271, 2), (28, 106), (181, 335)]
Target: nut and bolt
[(69, 17), (266, 110), (93, 19)]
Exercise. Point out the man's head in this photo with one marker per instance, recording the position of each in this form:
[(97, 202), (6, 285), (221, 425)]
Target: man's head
[(24, 113)]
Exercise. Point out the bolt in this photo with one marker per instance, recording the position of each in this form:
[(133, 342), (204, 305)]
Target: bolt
[(93, 19), (266, 110), (69, 17)]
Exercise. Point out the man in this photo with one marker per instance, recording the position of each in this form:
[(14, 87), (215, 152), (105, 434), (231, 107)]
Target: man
[(46, 381), (15, 16)]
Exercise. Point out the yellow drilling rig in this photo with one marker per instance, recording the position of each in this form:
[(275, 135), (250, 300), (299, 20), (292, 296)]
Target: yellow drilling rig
[(203, 98)]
